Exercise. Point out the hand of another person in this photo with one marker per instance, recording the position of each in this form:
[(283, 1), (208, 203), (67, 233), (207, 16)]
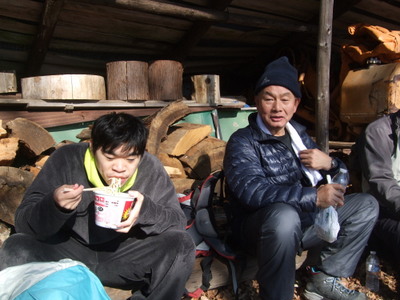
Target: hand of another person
[(315, 159), (330, 195), (125, 226), (68, 200)]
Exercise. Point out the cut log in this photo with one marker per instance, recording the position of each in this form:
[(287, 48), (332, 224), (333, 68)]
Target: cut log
[(128, 80), (13, 184), (5, 232), (165, 80), (41, 161), (206, 89), (204, 158), (85, 134), (33, 136), (8, 151), (174, 172), (8, 82), (34, 170), (63, 143), (64, 87), (173, 163), (183, 184), (3, 132), (183, 136), (159, 122)]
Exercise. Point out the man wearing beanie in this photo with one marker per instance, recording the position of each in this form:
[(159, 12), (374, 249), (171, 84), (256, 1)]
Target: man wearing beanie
[(276, 179)]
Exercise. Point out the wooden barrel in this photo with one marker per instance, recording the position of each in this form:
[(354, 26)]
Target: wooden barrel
[(127, 80), (64, 87), (165, 80)]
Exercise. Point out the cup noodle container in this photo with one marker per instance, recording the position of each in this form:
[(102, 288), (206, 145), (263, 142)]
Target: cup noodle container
[(112, 209)]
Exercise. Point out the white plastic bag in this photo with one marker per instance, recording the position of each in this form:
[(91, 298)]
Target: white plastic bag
[(326, 224)]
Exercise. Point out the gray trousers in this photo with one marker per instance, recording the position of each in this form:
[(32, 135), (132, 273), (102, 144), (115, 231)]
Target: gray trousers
[(275, 234), (157, 267), (386, 236)]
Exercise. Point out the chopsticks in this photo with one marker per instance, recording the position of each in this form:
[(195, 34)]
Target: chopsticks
[(85, 190)]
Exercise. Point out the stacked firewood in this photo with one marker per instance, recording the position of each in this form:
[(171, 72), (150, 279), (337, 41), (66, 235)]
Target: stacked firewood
[(24, 148), (188, 152)]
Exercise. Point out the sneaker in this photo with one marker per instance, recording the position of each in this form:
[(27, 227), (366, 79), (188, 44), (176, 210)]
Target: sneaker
[(325, 287)]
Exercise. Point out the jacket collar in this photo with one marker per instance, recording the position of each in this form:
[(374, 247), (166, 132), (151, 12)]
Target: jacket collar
[(260, 136)]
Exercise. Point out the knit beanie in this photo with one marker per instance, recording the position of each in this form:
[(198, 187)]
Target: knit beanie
[(280, 72)]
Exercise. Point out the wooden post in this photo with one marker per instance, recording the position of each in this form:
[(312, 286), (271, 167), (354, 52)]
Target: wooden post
[(8, 82), (323, 66), (165, 80), (128, 80), (206, 89)]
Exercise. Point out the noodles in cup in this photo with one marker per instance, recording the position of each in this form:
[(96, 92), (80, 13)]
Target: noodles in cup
[(112, 206)]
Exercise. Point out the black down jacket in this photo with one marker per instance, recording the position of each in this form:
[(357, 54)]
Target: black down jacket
[(261, 170)]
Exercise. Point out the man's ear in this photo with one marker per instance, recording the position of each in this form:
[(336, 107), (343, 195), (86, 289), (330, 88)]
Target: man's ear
[(91, 146), (297, 102), (257, 99)]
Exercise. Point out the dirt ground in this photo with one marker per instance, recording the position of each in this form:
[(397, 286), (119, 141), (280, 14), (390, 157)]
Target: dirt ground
[(389, 289)]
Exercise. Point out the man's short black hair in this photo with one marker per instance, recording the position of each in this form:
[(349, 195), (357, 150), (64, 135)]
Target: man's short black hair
[(113, 130)]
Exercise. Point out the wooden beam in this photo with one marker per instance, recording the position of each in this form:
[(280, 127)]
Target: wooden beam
[(201, 14), (199, 28), (323, 67), (51, 11), (49, 118), (392, 2), (269, 24)]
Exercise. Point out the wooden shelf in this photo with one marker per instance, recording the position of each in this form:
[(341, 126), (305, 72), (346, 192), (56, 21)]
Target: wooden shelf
[(58, 113)]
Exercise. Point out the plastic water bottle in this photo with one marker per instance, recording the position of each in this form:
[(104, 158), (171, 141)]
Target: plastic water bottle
[(372, 269), (342, 177)]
